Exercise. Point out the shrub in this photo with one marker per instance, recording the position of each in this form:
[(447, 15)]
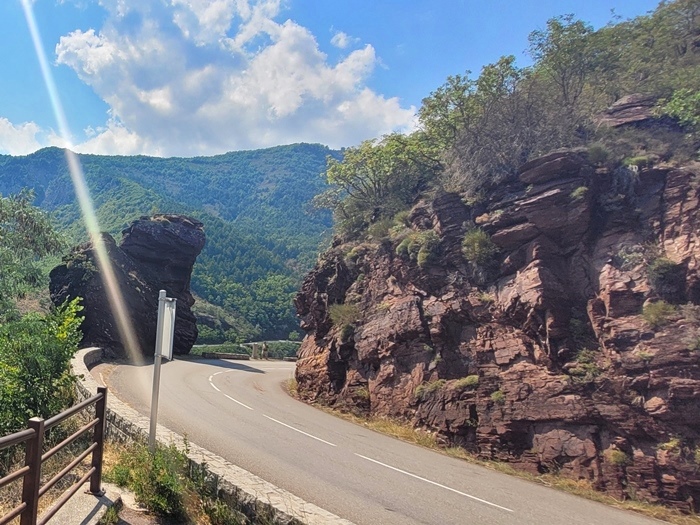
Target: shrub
[(421, 247), (667, 278), (658, 314), (158, 478), (35, 354), (617, 457), (467, 382), (342, 314), (579, 193), (477, 247), (362, 393), (598, 154), (380, 229), (641, 161), (672, 445), (586, 369), (422, 391), (498, 397), (346, 332)]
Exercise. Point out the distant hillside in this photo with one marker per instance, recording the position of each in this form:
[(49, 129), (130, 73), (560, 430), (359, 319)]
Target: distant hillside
[(260, 237)]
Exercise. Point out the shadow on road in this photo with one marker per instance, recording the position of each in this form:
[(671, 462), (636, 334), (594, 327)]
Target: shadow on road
[(224, 363)]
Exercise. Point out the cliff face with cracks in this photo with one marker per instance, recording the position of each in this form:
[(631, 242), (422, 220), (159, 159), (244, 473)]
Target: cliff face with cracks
[(558, 356), (156, 253)]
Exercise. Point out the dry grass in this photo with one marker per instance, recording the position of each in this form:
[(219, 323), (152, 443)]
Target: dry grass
[(582, 488)]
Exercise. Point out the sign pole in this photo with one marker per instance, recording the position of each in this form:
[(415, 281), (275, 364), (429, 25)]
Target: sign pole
[(165, 331)]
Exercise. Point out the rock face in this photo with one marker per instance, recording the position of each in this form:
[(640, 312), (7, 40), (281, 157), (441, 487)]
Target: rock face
[(156, 253), (630, 109), (543, 359)]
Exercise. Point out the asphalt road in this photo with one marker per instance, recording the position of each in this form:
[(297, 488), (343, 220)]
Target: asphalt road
[(239, 411)]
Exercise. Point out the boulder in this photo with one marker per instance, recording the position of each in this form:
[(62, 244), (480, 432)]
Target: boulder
[(156, 253)]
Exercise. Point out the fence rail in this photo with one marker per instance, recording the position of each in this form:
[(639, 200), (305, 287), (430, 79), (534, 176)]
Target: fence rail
[(33, 438)]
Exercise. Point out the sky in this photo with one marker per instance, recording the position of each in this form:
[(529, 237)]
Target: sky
[(202, 77)]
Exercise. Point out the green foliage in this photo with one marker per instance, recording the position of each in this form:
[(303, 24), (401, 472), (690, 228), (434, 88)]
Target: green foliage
[(377, 179), (579, 193), (110, 517), (598, 154), (343, 314), (35, 354), (467, 382), (362, 393), (261, 236), (667, 278), (477, 247), (640, 161), (586, 369), (26, 235), (617, 457), (158, 479), (421, 247), (684, 106), (424, 390), (658, 314), (498, 397), (672, 445)]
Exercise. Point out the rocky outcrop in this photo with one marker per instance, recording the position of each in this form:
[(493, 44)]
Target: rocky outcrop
[(630, 109), (156, 253), (557, 356)]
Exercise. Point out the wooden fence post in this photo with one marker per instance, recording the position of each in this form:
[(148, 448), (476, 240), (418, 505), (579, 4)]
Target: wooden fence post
[(32, 481), (99, 438)]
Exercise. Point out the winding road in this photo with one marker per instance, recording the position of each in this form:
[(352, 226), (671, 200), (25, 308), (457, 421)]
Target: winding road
[(240, 411)]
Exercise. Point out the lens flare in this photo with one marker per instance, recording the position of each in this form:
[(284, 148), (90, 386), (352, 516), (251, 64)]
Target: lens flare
[(114, 295)]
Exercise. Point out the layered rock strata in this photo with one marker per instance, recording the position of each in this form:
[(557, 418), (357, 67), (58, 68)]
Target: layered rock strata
[(563, 355)]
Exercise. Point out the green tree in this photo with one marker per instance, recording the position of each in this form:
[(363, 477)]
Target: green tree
[(378, 178), (26, 235), (563, 52)]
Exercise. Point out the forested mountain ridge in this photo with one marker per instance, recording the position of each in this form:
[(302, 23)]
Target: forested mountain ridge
[(254, 204)]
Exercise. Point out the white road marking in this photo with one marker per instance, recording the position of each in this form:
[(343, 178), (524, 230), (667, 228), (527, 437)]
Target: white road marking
[(236, 401), (300, 431), (102, 379), (434, 483), (214, 386)]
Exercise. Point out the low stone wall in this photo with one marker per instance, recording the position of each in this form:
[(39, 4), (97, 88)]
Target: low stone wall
[(253, 495)]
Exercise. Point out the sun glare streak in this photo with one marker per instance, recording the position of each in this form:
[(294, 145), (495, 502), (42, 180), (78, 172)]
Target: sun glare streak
[(114, 295)]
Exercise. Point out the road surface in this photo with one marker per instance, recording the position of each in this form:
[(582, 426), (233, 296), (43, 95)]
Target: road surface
[(240, 411)]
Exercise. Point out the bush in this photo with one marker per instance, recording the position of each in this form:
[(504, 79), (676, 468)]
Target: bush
[(467, 382), (35, 354), (343, 314), (158, 479), (579, 193), (617, 457), (598, 154), (477, 247), (586, 369), (422, 391), (498, 397), (667, 278), (421, 247), (658, 314)]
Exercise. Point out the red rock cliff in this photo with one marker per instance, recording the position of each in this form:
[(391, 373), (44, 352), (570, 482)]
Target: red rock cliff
[(544, 358)]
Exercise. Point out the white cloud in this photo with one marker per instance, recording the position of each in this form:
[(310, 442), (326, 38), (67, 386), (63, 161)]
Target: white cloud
[(192, 77), (22, 139), (343, 40)]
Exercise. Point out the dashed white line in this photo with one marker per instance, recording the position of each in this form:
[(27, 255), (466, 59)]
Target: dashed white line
[(236, 401), (434, 483), (300, 431)]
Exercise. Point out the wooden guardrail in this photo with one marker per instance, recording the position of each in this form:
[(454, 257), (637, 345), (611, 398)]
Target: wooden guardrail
[(33, 438)]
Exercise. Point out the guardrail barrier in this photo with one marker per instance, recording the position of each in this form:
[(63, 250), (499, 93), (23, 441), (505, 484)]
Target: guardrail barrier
[(33, 438)]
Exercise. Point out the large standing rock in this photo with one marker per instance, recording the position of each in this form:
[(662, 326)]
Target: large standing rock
[(156, 253), (545, 360)]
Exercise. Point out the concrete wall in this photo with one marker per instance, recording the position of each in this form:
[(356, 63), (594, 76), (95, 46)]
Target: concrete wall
[(243, 490)]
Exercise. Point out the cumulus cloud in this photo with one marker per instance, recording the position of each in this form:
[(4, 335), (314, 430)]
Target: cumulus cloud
[(192, 77), (343, 40), (22, 139)]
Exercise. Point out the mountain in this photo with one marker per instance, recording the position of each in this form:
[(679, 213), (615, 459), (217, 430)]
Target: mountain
[(261, 236)]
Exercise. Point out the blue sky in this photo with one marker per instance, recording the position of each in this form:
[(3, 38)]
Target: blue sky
[(200, 77)]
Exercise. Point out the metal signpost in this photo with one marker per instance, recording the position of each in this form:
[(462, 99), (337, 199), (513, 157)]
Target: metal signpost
[(165, 333)]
